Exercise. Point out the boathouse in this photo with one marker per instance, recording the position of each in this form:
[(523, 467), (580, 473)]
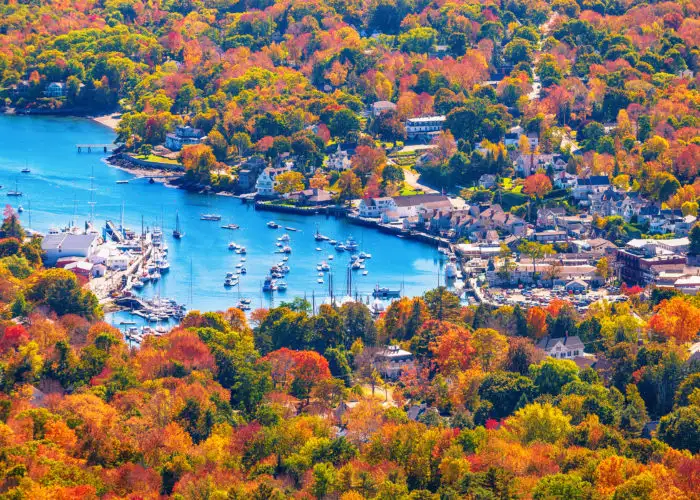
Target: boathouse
[(60, 245)]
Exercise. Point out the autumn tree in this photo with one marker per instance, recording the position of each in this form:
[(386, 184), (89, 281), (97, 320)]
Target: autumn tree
[(288, 182), (676, 318), (537, 185)]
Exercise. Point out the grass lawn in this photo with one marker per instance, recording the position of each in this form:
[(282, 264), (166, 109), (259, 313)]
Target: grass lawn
[(156, 158), (407, 190)]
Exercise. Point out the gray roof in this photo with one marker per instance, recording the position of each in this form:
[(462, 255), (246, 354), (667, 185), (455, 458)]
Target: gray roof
[(418, 199), (573, 342), (67, 241)]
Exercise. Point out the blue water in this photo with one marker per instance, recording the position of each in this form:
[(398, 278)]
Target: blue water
[(59, 187)]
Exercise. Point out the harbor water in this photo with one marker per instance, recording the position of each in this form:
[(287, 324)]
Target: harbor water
[(62, 183)]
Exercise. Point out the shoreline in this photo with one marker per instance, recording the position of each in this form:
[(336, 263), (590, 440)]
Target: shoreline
[(110, 120)]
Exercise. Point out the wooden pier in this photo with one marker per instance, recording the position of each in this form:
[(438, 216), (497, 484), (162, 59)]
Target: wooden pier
[(104, 148)]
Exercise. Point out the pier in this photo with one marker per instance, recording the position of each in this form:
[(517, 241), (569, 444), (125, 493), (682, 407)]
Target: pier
[(105, 148)]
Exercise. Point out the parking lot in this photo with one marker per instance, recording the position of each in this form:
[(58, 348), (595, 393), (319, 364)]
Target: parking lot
[(529, 296)]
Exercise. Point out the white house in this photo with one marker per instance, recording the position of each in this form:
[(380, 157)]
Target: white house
[(60, 245), (375, 207), (563, 347), (528, 164), (338, 160), (380, 107), (55, 89), (392, 361), (595, 184), (265, 185), (424, 127), (487, 181), (183, 136)]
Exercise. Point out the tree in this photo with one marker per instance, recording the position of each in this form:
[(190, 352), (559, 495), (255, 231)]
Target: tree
[(491, 348), (452, 350), (602, 268), (349, 185), (681, 428), (504, 390), (442, 304), (367, 161), (537, 185), (344, 122), (319, 181), (535, 251), (694, 237), (676, 318), (552, 374), (567, 486), (288, 182), (59, 289), (540, 422), (11, 228), (198, 161)]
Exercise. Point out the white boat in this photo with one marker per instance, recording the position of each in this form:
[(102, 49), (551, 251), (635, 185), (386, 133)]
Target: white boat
[(137, 284), (364, 255), (355, 265), (238, 266), (244, 270), (163, 265), (318, 249), (281, 286), (350, 244), (155, 276), (243, 259), (320, 280), (365, 273), (325, 266), (241, 251), (233, 246), (285, 258), (330, 257), (340, 247), (287, 249), (284, 237), (272, 225), (320, 275), (451, 270), (213, 217), (333, 242), (232, 281)]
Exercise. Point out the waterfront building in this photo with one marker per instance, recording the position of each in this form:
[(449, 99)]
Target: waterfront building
[(424, 127), (55, 89), (375, 207), (311, 197), (183, 136), (267, 180), (59, 245)]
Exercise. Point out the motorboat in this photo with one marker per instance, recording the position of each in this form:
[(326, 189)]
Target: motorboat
[(233, 245), (325, 266), (320, 280), (245, 301), (123, 182), (364, 255), (330, 257), (291, 229), (286, 249), (20, 209), (231, 281), (365, 273), (281, 286), (212, 217), (230, 226), (25, 170), (244, 270), (273, 225), (242, 306), (333, 242), (284, 237), (137, 284), (340, 247), (355, 265), (351, 244), (385, 292), (318, 249), (163, 265), (238, 266), (241, 251), (269, 284)]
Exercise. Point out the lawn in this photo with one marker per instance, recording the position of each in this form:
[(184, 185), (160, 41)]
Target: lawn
[(156, 159)]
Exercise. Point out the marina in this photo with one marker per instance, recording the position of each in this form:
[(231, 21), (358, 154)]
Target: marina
[(60, 191)]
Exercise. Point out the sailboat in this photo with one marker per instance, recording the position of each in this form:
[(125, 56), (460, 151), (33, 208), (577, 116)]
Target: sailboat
[(16, 192), (177, 232)]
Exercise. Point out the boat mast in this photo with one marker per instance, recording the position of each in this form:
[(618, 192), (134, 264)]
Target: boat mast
[(92, 196)]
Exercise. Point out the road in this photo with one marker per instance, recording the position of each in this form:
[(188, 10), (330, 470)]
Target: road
[(411, 179)]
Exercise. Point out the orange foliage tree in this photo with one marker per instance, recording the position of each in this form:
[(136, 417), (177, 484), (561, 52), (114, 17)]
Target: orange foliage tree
[(676, 319)]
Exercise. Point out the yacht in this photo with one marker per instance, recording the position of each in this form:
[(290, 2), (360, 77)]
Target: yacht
[(213, 217), (242, 306), (385, 292), (451, 271), (330, 257), (272, 225), (318, 236), (231, 281)]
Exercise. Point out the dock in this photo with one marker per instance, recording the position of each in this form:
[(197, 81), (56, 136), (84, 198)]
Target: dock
[(104, 148)]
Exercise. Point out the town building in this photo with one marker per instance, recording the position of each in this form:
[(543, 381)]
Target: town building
[(641, 261), (487, 181), (183, 136), (249, 172), (424, 127), (57, 245), (375, 207), (311, 197), (590, 185)]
